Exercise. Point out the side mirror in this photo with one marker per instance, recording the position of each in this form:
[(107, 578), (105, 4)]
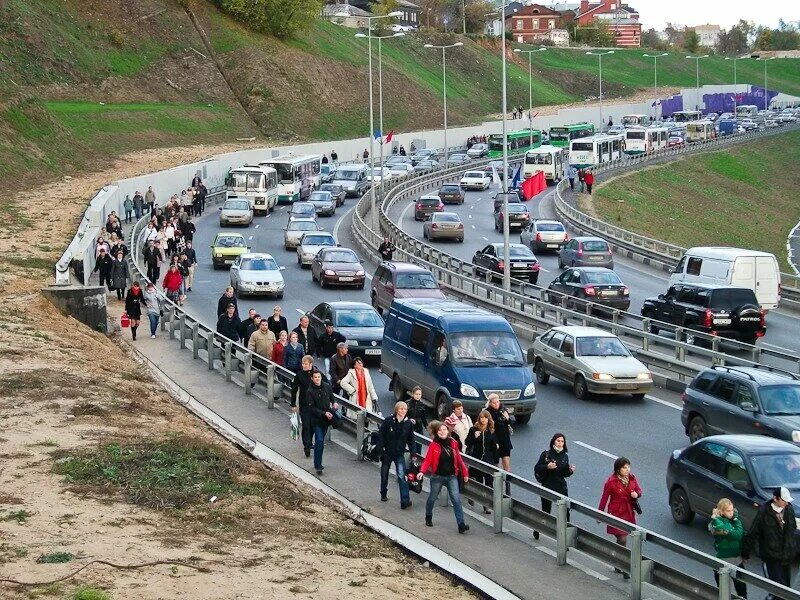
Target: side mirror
[(662, 297), (249, 247), (748, 406), (220, 208), (281, 268), (338, 245)]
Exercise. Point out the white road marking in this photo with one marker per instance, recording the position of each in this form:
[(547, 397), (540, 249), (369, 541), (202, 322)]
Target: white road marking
[(485, 239), (587, 570), (339, 222), (250, 238), (470, 216), (300, 310), (405, 210), (259, 225), (664, 402), (473, 226), (543, 269), (593, 449)]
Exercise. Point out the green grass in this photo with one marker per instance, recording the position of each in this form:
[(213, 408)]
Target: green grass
[(55, 558), (743, 196), (90, 593), (20, 516)]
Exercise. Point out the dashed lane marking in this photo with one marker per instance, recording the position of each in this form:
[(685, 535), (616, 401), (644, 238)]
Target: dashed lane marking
[(259, 225), (485, 239), (664, 402), (593, 449)]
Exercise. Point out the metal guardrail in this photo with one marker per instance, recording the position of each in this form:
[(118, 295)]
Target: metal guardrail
[(506, 495)]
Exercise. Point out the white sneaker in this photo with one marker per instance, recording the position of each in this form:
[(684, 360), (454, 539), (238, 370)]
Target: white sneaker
[(152, 337)]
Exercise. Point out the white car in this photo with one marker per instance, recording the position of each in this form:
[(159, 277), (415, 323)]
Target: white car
[(475, 180), (478, 150), (379, 174), (256, 273), (311, 243), (401, 169), (771, 123), (787, 117)]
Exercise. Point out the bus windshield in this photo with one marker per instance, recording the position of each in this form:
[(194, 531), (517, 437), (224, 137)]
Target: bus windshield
[(495, 142), (539, 159), (582, 146), (635, 135), (285, 172), (246, 181)]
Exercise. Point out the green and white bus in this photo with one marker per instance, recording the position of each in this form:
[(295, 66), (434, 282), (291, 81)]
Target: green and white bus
[(259, 184), (298, 175), (518, 141), (561, 136)]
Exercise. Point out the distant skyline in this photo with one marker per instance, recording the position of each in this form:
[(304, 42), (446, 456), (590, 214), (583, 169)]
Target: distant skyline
[(725, 13)]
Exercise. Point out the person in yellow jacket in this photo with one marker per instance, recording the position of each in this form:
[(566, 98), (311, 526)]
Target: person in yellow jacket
[(262, 340)]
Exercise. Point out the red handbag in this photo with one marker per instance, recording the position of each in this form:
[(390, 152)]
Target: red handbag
[(125, 320)]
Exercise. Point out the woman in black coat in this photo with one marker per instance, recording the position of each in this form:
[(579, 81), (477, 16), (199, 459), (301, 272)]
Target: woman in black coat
[(134, 302), (481, 443), (552, 470), (502, 429), (277, 322)]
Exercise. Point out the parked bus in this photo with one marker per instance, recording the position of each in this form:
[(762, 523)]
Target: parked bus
[(635, 121), (563, 135), (518, 141), (746, 111), (256, 183), (644, 140), (551, 160), (595, 150), (297, 175), (685, 116), (700, 131)]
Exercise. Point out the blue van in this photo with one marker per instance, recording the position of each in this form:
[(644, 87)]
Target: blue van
[(454, 351)]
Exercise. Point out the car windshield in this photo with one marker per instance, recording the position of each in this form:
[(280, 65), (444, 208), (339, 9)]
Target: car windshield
[(777, 470), (302, 208), (348, 174), (318, 240), (475, 174), (446, 218), (517, 251), (600, 346), (259, 264), (236, 205), (486, 349), (320, 197), (450, 189), (780, 399), (230, 241), (302, 226), (429, 201), (595, 246), (340, 256), (358, 318), (416, 281), (539, 159), (602, 277), (549, 227), (329, 187), (377, 171)]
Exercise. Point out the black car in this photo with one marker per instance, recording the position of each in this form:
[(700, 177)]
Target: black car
[(726, 311), (744, 468), (499, 200), (524, 265), (336, 190), (356, 321), (743, 400), (518, 217), (451, 193), (592, 284)]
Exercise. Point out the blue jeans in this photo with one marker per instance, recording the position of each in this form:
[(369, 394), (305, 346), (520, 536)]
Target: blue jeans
[(153, 322), (400, 468), (451, 482), (319, 444)]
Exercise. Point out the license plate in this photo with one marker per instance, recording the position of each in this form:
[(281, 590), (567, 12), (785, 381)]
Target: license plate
[(228, 261), (552, 245), (372, 351), (345, 279), (627, 386), (595, 258), (519, 265), (608, 293), (722, 321)]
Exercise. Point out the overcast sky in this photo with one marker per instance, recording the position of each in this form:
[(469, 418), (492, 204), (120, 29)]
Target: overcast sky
[(657, 13)]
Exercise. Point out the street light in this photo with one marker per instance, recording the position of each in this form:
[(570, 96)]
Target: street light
[(530, 54), (391, 15), (697, 82), (380, 94), (766, 97), (735, 85), (655, 58), (600, 56), (444, 87)]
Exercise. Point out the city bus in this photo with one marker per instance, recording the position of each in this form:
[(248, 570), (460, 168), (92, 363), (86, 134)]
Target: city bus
[(746, 111), (644, 140), (256, 183), (685, 116), (298, 175), (635, 121), (700, 131), (551, 160), (595, 150), (563, 135), (518, 141)]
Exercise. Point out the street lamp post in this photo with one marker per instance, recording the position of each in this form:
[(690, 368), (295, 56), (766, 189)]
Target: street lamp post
[(735, 59), (444, 87), (530, 54), (600, 56), (766, 96), (697, 81), (655, 58)]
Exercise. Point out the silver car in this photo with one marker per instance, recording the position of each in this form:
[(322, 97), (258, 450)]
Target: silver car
[(324, 203), (478, 150), (586, 252), (256, 273), (295, 230), (235, 211), (544, 234), (457, 159), (591, 361), (302, 210), (443, 226), (311, 243)]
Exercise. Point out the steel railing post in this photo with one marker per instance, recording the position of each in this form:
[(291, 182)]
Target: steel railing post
[(725, 583), (498, 486), (636, 565), (228, 359), (182, 330), (212, 349), (361, 428), (196, 340), (562, 512), (172, 323), (271, 386), (248, 374)]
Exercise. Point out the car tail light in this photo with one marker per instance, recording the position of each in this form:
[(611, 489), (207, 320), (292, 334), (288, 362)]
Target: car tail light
[(626, 291), (538, 237), (461, 226), (763, 321), (525, 216), (535, 266), (434, 226), (419, 205), (708, 318), (441, 206), (501, 265), (580, 251), (501, 214), (590, 291)]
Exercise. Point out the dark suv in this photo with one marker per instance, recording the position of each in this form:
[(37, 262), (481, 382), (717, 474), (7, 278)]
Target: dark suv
[(401, 280), (730, 312), (757, 400)]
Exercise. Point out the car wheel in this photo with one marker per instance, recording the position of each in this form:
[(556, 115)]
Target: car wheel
[(398, 389), (697, 429), (361, 287), (542, 376), (750, 340), (579, 388), (313, 277), (441, 407), (522, 419), (460, 240), (679, 507)]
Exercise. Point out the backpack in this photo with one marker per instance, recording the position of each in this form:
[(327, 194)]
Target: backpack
[(369, 447), (411, 474), (540, 477)]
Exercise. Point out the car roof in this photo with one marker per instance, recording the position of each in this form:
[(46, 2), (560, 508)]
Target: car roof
[(710, 286), (553, 221), (404, 267), (512, 245), (723, 252), (226, 234), (439, 215), (591, 269), (344, 304), (430, 197), (310, 233), (589, 238), (763, 376), (755, 444), (257, 255), (581, 331)]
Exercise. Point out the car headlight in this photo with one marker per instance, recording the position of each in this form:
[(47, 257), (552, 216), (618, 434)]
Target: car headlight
[(602, 376), (796, 436), (530, 389), (329, 272), (352, 342), (645, 377), (468, 390), (217, 254), (359, 273)]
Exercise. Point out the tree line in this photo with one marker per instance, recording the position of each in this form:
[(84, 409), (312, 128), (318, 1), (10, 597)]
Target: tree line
[(742, 37)]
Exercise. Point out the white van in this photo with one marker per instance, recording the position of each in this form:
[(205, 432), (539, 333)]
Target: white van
[(353, 179), (758, 271)]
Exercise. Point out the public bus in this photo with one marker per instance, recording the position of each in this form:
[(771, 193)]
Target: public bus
[(635, 121), (595, 150), (746, 111), (563, 135), (644, 140), (518, 141), (258, 184), (551, 160), (685, 116), (700, 131), (298, 175)]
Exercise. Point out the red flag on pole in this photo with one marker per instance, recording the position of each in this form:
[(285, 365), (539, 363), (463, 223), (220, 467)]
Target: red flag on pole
[(389, 137), (533, 185)]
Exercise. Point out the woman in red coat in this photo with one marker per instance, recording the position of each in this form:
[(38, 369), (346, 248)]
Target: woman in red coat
[(445, 466), (620, 493)]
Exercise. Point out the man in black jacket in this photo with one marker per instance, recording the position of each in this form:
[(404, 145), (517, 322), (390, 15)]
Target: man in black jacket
[(395, 435), (319, 398), (306, 336), (298, 402), (103, 265), (339, 365), (250, 324), (772, 532), (327, 344), (228, 323), (227, 298), (191, 255), (386, 249)]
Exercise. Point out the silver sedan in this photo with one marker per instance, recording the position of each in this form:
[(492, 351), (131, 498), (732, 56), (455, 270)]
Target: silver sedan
[(443, 225), (235, 211)]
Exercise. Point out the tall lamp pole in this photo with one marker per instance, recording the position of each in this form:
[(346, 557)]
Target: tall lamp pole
[(444, 87), (766, 96), (600, 56), (530, 54), (697, 81), (655, 58)]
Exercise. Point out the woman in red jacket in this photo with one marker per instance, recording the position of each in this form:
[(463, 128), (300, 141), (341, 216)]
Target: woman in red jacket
[(589, 179), (620, 493), (444, 464), (172, 283)]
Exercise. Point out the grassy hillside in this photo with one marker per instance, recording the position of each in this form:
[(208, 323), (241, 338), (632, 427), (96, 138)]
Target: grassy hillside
[(744, 196)]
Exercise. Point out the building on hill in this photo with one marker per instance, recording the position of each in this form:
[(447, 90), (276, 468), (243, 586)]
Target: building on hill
[(347, 15), (410, 10), (708, 35), (532, 23), (494, 26), (622, 20)]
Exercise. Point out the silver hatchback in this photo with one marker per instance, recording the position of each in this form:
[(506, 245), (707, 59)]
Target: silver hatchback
[(543, 234), (586, 252), (235, 211)]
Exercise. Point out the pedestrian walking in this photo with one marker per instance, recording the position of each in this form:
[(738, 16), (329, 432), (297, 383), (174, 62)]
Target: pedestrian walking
[(153, 304), (262, 341), (365, 155), (334, 156), (279, 348), (582, 179), (620, 497), (502, 429), (402, 150), (728, 531), (481, 443), (552, 470), (118, 246), (119, 275), (322, 407), (138, 205), (339, 365), (127, 205), (572, 172), (133, 306), (386, 249), (228, 323), (293, 354), (327, 345), (773, 534), (227, 298), (172, 283), (589, 181), (306, 336), (459, 423), (298, 401), (191, 257), (396, 433), (357, 384), (154, 260), (324, 159), (277, 322), (102, 266), (444, 465), (150, 198), (418, 414)]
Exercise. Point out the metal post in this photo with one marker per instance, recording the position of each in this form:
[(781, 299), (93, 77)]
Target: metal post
[(248, 374), (464, 17), (735, 88), (380, 111), (506, 250), (172, 326), (600, 57), (697, 86), (562, 512), (211, 351), (530, 98), (361, 422), (227, 360), (725, 583), (271, 386), (182, 330), (636, 565), (498, 485), (196, 340), (373, 206), (444, 93), (765, 84), (655, 88)]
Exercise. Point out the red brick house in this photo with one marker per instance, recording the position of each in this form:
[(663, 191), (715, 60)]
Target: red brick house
[(622, 20), (532, 23)]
